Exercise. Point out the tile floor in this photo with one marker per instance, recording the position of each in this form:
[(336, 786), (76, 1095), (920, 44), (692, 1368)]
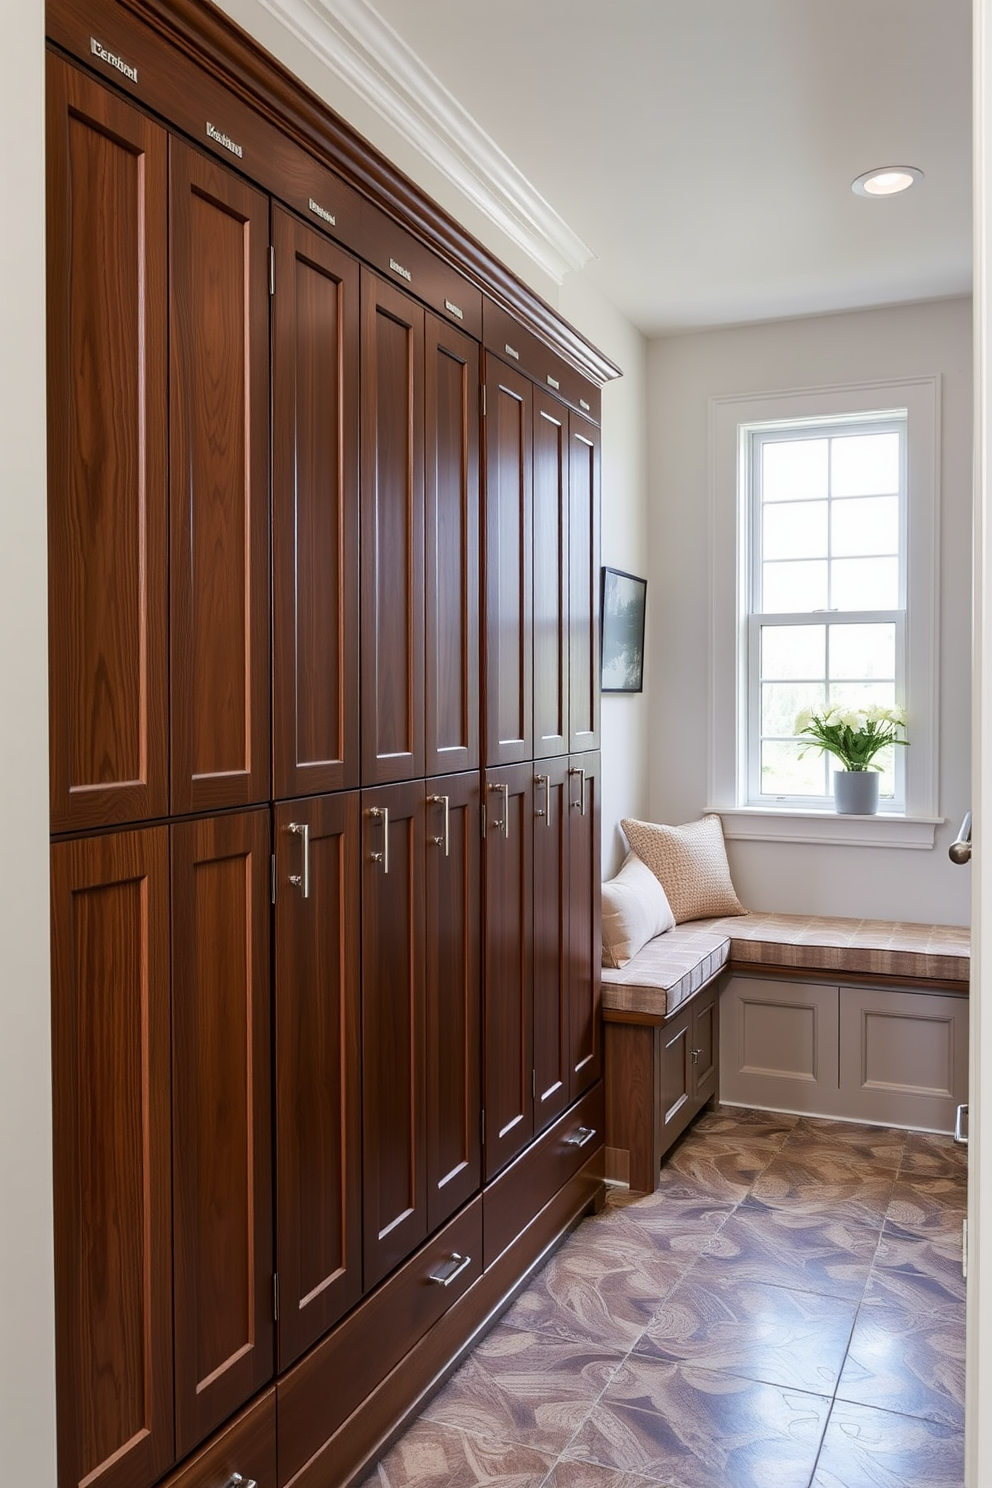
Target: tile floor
[(787, 1311)]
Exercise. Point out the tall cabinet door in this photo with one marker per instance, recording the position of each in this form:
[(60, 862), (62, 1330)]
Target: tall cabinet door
[(318, 1066), (508, 964), (393, 1026), (583, 567), (509, 565), (585, 932), (314, 512), (551, 576), (222, 1112), (112, 1152), (219, 478), (392, 502), (453, 966), (451, 549), (552, 1083), (107, 456)]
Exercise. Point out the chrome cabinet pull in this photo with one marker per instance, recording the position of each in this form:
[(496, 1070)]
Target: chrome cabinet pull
[(237, 1481), (301, 881), (960, 849), (446, 839), (960, 1135), (503, 825), (581, 802), (581, 1137), (545, 781), (382, 857), (450, 1270)]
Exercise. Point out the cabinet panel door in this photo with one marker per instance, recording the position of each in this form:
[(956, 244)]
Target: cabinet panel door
[(314, 512), (705, 1044), (219, 482), (551, 828), (112, 1151), (452, 549), (551, 576), (508, 565), (585, 932), (392, 503), (674, 1078), (107, 430), (508, 965), (393, 1026), (221, 1118), (583, 568), (318, 1067), (454, 971)]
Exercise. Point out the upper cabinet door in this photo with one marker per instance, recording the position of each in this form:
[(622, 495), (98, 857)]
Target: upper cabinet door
[(219, 478), (583, 568), (314, 512), (585, 930), (392, 504), (551, 577), (112, 1152), (452, 549), (508, 563), (552, 1084), (107, 456)]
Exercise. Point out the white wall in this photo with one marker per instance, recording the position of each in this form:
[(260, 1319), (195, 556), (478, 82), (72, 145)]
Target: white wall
[(684, 373), (27, 1393)]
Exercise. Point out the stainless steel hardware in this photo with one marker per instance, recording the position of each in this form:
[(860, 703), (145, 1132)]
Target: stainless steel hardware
[(454, 310), (301, 881), (224, 139), (545, 781), (960, 1117), (320, 211), (451, 1270), (382, 857), (511, 351), (581, 1137), (503, 825), (272, 270), (553, 382), (584, 405), (960, 849), (695, 1055), (112, 60), (446, 839), (581, 802), (237, 1481), (398, 268)]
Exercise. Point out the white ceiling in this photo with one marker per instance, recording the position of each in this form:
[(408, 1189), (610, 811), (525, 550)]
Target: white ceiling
[(704, 149)]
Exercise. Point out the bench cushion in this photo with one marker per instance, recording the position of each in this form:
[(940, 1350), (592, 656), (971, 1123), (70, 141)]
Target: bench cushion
[(667, 971), (895, 948)]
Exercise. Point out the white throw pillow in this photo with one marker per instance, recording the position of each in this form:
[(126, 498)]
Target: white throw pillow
[(690, 863), (635, 909)]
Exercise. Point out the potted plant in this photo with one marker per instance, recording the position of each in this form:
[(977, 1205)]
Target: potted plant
[(854, 736)]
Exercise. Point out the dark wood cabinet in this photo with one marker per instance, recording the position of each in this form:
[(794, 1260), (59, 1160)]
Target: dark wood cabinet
[(317, 1066), (584, 919), (392, 540), (551, 833), (222, 1112), (112, 1157), (315, 626), (583, 583), (107, 465), (219, 480), (551, 576)]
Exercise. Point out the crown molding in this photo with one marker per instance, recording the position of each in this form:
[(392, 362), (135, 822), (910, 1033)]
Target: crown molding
[(355, 43)]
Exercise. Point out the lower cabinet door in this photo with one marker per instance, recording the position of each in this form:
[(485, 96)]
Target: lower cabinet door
[(705, 1052), (585, 1033), (551, 959), (675, 1074), (112, 1155), (317, 1066), (242, 1453), (222, 1118)]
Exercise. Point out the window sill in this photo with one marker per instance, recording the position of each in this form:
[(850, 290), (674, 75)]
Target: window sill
[(771, 824)]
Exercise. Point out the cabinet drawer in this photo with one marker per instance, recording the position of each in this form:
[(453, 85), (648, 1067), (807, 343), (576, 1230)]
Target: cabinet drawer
[(333, 1380), (403, 260), (247, 1446), (511, 1202), (506, 338)]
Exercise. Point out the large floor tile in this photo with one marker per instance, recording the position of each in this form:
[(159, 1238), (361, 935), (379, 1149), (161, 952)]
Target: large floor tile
[(431, 1455), (905, 1361), (667, 1225), (699, 1429), (838, 1184), (934, 1154), (930, 1206), (865, 1448), (918, 1272), (721, 1165), (566, 1474), (751, 1329), (808, 1253), (874, 1146)]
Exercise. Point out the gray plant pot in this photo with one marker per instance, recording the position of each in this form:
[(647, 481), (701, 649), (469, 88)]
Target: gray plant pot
[(856, 792)]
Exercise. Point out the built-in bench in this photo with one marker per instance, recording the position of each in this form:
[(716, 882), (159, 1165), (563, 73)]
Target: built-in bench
[(862, 1020)]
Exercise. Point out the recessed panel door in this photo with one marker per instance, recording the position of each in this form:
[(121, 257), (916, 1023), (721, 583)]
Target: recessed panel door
[(552, 1031), (585, 928), (551, 576), (583, 568), (508, 565)]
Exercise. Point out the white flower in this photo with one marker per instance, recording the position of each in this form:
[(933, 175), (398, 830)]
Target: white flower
[(852, 719), (803, 718), (878, 714)]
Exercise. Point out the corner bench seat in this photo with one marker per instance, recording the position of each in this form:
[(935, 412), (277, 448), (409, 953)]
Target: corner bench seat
[(661, 1010)]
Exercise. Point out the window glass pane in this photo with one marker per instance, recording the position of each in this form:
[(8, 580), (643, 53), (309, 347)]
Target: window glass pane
[(793, 652), (794, 470), (862, 694), (864, 465), (794, 586), (863, 583), (795, 529), (862, 651), (783, 773), (868, 525), (781, 701)]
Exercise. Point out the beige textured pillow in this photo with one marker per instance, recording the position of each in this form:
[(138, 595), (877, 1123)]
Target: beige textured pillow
[(690, 863), (634, 911)]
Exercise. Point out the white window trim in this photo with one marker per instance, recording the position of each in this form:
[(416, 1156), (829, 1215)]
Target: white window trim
[(728, 629)]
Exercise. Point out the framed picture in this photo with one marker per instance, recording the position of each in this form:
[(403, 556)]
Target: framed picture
[(623, 600)]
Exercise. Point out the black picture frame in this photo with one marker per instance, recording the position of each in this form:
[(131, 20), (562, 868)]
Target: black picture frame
[(623, 599)]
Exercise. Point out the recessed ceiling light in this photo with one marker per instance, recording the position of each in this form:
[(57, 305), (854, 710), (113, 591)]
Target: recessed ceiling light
[(887, 180)]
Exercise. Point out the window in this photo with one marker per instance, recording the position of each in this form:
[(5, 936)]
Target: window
[(824, 526)]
